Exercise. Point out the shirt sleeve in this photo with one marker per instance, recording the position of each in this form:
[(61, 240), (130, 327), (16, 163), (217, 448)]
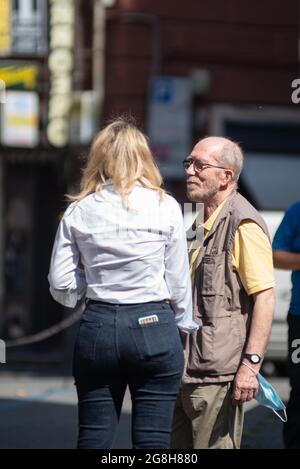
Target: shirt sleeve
[(285, 234), (252, 258), (67, 281), (177, 275)]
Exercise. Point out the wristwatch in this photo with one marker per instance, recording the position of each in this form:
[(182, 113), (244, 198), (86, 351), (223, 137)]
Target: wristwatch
[(252, 357)]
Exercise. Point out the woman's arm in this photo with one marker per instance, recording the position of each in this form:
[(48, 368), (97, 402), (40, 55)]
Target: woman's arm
[(177, 275), (67, 281)]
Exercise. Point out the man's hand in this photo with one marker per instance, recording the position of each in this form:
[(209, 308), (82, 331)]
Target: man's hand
[(245, 386)]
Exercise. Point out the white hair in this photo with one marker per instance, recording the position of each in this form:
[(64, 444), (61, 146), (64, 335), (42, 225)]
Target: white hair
[(232, 157)]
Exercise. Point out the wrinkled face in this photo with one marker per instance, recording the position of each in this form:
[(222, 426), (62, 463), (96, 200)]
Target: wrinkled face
[(203, 183)]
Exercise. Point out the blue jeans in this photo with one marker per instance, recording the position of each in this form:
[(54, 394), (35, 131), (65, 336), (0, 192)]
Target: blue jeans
[(112, 351)]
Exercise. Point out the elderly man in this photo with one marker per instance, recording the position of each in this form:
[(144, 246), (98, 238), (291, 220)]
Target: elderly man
[(233, 280)]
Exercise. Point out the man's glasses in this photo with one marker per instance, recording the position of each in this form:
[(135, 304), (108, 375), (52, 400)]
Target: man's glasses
[(198, 165)]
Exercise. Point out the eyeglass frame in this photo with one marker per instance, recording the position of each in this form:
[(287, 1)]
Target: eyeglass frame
[(204, 165)]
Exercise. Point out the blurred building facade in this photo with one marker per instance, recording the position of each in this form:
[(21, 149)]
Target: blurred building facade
[(46, 63), (183, 69)]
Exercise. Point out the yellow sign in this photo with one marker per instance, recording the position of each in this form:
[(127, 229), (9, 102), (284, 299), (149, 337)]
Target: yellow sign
[(19, 76), (5, 27), (61, 64), (20, 119)]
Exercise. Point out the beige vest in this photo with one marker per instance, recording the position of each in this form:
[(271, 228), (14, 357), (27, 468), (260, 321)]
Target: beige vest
[(221, 305)]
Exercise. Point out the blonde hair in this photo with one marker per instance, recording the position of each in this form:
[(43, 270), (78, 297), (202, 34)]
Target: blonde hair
[(120, 152)]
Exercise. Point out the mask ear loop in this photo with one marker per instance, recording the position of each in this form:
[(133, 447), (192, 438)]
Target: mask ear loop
[(275, 412), (250, 368), (285, 419)]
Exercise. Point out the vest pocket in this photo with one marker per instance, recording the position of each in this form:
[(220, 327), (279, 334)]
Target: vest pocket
[(212, 275), (212, 300), (217, 346), (216, 306), (228, 342)]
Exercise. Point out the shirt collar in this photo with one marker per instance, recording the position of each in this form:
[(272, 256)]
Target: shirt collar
[(211, 220)]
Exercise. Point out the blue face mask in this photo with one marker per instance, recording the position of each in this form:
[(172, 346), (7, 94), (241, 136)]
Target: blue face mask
[(267, 396)]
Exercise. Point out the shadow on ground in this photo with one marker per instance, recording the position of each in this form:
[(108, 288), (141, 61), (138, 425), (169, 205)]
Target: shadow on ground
[(44, 425), (262, 430)]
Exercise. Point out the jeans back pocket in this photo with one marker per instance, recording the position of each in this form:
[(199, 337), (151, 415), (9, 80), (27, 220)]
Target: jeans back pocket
[(87, 338), (155, 341)]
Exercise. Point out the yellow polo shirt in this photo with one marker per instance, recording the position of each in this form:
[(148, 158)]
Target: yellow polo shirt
[(251, 255)]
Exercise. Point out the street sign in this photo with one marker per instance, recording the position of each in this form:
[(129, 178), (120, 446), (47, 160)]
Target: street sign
[(20, 119), (169, 121)]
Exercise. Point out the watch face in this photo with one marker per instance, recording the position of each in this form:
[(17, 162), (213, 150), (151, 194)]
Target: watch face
[(255, 358)]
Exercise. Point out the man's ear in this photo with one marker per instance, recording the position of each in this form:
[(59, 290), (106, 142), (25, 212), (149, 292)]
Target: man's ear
[(228, 176)]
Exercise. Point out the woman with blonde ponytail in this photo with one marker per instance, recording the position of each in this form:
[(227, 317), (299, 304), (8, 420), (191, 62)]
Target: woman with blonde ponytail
[(121, 244)]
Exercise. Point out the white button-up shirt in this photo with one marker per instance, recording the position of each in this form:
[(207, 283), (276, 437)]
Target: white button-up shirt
[(129, 256)]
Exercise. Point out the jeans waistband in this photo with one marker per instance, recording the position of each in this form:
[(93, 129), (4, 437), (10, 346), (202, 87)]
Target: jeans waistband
[(106, 303)]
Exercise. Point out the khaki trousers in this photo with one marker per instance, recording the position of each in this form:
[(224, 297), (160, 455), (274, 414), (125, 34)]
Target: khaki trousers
[(204, 418)]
